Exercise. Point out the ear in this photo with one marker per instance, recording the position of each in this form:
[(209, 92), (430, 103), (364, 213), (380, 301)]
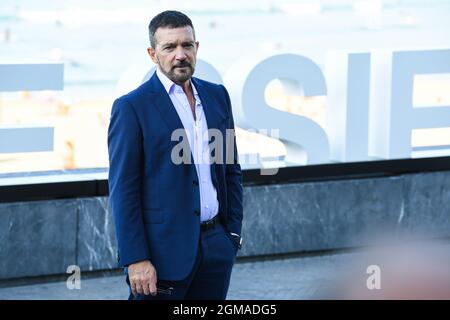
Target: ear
[(196, 45), (152, 53)]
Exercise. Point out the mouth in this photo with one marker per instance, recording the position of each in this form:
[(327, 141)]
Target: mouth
[(181, 67)]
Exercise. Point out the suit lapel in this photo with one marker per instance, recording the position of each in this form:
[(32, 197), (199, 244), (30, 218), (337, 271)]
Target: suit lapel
[(164, 105), (213, 117), (168, 112), (210, 107), (162, 102)]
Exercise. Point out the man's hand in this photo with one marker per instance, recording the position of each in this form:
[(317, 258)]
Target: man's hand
[(142, 276)]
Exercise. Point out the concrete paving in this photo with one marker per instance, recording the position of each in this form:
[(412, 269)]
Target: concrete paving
[(287, 278), (419, 272)]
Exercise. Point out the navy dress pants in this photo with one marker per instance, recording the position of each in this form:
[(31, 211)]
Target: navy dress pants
[(210, 276)]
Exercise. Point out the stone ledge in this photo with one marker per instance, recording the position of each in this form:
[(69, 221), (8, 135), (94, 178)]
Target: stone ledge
[(45, 237)]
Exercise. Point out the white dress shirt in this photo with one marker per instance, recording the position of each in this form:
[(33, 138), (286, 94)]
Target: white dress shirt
[(197, 134)]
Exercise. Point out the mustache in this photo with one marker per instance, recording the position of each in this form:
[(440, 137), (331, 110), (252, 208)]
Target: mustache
[(182, 64)]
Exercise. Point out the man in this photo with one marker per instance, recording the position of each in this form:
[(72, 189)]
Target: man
[(178, 225)]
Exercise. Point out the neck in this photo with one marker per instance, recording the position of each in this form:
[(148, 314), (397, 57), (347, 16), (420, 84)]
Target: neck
[(186, 86)]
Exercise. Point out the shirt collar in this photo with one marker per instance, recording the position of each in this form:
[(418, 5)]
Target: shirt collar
[(170, 86)]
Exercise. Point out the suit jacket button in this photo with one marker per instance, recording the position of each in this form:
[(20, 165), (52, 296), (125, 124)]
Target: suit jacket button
[(195, 182), (197, 212)]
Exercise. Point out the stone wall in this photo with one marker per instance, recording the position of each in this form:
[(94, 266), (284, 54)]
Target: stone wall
[(45, 237)]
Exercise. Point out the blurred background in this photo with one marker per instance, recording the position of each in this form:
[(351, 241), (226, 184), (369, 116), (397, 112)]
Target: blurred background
[(99, 42)]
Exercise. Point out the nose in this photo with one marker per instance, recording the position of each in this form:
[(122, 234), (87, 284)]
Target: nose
[(180, 54)]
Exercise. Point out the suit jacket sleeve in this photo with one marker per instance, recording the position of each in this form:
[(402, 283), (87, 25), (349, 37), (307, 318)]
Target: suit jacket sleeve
[(233, 176), (125, 156)]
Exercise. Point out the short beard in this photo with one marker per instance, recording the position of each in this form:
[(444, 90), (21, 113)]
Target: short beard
[(180, 78), (177, 77)]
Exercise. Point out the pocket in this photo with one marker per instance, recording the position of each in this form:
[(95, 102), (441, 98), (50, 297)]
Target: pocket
[(153, 216)]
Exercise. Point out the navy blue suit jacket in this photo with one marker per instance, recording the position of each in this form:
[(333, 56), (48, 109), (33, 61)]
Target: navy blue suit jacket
[(156, 203)]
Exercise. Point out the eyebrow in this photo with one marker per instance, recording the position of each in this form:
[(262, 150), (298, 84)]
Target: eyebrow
[(173, 44), (168, 44)]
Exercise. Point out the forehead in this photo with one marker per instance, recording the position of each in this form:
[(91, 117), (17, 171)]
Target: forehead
[(173, 35)]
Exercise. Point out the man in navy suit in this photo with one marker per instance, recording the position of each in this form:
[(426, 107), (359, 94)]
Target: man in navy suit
[(178, 223)]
